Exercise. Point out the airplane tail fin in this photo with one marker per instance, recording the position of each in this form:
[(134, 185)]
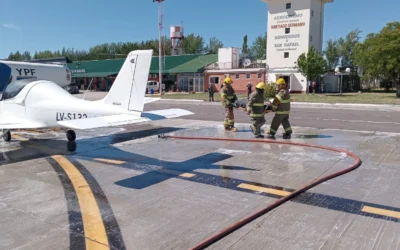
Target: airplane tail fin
[(129, 88)]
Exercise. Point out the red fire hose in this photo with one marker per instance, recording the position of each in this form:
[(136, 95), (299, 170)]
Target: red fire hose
[(207, 242)]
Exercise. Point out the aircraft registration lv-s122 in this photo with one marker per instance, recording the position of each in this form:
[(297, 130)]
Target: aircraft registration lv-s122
[(39, 104)]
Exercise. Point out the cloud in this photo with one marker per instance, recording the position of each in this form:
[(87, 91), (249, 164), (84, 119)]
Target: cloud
[(10, 26)]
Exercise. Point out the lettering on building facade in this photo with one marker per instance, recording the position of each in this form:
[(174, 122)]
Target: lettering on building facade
[(290, 24), (78, 71)]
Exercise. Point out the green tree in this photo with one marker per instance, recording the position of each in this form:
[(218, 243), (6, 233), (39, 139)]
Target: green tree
[(379, 54), (245, 47), (259, 47), (213, 45), (26, 56), (311, 65), (332, 53), (193, 44), (347, 46), (11, 56), (17, 56)]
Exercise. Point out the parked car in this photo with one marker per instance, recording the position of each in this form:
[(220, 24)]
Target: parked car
[(72, 89), (152, 85)]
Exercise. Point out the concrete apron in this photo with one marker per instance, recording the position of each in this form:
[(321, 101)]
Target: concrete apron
[(125, 188)]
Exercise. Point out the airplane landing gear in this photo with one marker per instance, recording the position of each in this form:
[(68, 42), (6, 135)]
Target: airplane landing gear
[(7, 135), (71, 136)]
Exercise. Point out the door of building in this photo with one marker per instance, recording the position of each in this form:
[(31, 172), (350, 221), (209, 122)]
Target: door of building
[(287, 80)]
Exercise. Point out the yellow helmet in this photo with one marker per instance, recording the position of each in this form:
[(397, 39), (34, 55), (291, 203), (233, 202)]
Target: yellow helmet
[(228, 80), (281, 81), (261, 85)]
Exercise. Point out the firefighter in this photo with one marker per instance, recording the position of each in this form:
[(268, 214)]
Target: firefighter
[(211, 90), (229, 101), (281, 107), (255, 108)]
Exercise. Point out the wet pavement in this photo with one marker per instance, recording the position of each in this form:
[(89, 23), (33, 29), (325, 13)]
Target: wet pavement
[(126, 188)]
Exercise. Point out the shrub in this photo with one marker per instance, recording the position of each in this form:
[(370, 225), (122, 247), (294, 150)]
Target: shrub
[(271, 91)]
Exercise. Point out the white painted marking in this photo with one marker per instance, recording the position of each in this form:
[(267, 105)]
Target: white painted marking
[(339, 120)]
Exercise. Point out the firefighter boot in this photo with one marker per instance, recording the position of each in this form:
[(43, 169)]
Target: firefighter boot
[(269, 135), (286, 136)]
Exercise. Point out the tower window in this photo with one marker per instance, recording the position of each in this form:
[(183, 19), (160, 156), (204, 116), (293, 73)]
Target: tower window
[(312, 13), (287, 30), (310, 38), (286, 55), (288, 6)]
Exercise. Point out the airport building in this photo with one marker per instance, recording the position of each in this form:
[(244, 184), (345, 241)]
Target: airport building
[(241, 72), (182, 73), (293, 27)]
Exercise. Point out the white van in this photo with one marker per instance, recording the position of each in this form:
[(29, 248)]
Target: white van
[(152, 85), (60, 74)]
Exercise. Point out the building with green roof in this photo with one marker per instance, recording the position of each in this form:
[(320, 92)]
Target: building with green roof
[(184, 72)]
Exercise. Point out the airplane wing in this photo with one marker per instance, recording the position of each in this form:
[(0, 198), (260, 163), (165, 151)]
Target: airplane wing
[(123, 119), (102, 121), (165, 114), (9, 122)]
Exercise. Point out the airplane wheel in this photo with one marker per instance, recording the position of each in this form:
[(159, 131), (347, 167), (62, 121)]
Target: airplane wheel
[(7, 136), (71, 136)]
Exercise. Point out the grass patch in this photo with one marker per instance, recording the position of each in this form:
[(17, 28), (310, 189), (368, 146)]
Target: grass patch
[(198, 96), (364, 98)]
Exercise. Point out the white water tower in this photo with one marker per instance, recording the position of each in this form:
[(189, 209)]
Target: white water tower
[(176, 35)]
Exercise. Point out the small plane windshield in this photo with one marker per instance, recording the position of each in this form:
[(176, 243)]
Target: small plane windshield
[(15, 87)]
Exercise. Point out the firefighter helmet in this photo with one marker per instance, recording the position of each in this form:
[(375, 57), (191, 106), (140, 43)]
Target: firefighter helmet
[(261, 85), (281, 81), (228, 80)]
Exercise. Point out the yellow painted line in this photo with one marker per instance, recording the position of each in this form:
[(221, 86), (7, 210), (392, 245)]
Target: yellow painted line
[(18, 137), (187, 175), (380, 211), (110, 161), (264, 189), (95, 233)]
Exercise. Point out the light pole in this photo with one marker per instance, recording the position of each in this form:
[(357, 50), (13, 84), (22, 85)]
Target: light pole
[(348, 70), (160, 27), (337, 70)]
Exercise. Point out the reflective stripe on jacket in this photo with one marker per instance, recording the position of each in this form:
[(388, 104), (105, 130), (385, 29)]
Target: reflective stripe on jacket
[(228, 95), (283, 108), (255, 105)]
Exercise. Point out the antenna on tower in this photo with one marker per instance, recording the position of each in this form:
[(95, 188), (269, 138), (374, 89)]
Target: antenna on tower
[(161, 62)]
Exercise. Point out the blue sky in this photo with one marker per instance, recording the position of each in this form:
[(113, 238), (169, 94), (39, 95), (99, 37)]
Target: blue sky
[(48, 24)]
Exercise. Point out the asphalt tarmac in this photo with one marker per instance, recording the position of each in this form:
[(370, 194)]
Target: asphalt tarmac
[(323, 118)]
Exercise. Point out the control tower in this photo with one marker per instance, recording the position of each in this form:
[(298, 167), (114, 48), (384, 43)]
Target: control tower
[(293, 27)]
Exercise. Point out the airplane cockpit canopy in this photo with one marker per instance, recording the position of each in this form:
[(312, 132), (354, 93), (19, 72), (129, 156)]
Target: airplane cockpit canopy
[(15, 87)]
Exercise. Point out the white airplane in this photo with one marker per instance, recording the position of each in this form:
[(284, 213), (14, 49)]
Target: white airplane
[(39, 104)]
